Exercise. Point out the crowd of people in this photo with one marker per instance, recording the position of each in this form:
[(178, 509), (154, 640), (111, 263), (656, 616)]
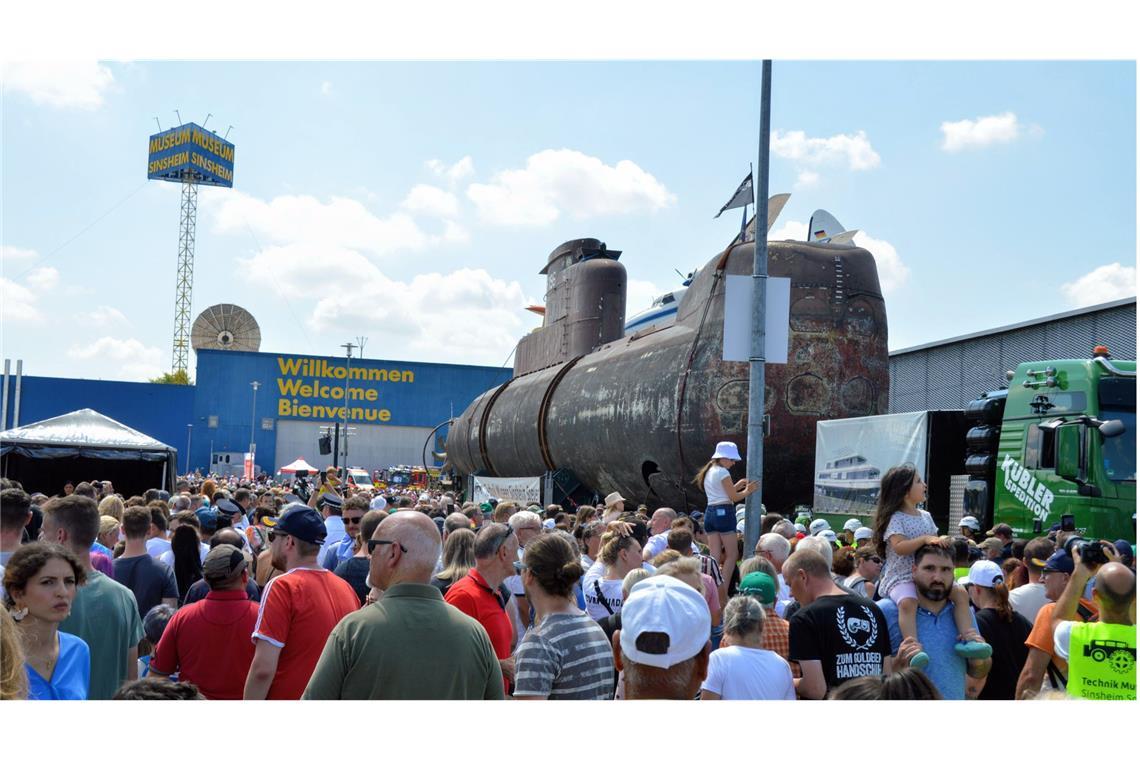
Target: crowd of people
[(230, 589)]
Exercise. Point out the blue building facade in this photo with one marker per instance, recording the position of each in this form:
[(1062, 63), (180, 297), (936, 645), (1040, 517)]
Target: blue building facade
[(391, 407)]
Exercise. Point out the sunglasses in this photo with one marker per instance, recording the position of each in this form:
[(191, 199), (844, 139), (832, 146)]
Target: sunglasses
[(374, 542), (273, 535), (351, 520), (876, 560), (502, 539)]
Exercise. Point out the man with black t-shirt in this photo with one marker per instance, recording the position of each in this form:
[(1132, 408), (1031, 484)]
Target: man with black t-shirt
[(834, 636)]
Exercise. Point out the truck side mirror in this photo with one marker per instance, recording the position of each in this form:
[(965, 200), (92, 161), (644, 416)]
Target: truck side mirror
[(1069, 452), (1111, 428)]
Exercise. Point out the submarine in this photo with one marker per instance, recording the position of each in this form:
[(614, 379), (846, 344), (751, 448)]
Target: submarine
[(641, 412)]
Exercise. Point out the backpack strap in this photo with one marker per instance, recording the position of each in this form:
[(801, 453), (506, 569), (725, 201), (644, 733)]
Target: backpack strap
[(602, 597)]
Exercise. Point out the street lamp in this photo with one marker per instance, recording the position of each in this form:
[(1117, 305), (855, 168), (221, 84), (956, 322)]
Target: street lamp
[(189, 430), (252, 417)]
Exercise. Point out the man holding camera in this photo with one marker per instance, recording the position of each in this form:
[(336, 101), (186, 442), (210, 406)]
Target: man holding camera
[(1042, 659), (1101, 655)]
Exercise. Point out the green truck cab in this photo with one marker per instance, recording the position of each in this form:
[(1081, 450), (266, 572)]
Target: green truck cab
[(1061, 440)]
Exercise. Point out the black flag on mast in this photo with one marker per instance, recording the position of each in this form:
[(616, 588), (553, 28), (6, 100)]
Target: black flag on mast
[(742, 196)]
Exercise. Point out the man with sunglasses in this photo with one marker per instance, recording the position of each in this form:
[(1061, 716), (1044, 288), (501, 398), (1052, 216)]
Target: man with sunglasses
[(478, 594), (345, 547), (298, 609), (410, 644)]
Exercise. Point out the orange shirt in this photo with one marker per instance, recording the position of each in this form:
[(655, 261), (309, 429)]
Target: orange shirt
[(1041, 637)]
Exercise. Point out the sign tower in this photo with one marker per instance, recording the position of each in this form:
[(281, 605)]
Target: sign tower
[(191, 156)]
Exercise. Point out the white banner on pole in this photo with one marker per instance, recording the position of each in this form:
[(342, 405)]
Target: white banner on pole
[(522, 490), (738, 319)]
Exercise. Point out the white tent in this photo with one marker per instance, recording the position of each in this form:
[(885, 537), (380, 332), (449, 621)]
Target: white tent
[(297, 465)]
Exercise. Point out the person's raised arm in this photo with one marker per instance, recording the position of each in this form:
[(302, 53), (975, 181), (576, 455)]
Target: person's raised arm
[(1066, 606)]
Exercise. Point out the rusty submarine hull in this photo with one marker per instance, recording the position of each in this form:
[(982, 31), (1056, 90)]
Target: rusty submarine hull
[(641, 413)]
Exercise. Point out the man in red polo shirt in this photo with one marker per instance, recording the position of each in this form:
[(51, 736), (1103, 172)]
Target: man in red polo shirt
[(208, 643), (477, 593), (298, 609)]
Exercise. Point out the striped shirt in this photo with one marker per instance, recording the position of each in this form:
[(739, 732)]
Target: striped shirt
[(567, 656)]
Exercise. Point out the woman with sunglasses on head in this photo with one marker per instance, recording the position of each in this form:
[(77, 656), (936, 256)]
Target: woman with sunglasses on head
[(619, 554), (565, 655), (40, 580), (865, 575)]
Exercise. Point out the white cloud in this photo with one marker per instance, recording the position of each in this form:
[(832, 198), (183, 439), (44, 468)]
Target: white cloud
[(566, 181), (43, 278), (122, 359), (853, 150), (791, 230), (62, 84), (326, 88), (431, 201), (104, 316), (639, 295), (893, 273), (18, 300), (17, 303), (465, 316), (10, 254), (981, 132), (454, 174), (303, 219), (1106, 283), (455, 233), (806, 179)]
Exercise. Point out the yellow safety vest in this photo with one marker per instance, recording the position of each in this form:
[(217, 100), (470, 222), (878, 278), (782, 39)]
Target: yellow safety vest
[(1102, 661)]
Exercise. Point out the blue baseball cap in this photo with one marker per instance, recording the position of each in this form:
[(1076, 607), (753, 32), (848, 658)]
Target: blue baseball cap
[(1060, 562), (208, 517), (301, 522)]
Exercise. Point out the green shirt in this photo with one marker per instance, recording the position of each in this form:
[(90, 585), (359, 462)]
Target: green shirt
[(106, 616), (409, 645)]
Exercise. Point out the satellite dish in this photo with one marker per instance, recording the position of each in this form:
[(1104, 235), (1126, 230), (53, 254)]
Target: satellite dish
[(225, 327)]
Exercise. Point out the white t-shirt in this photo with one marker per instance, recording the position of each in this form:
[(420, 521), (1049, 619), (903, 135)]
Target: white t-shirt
[(714, 485), (168, 556), (1061, 635), (660, 542), (156, 546), (610, 592), (744, 673), (1028, 600)]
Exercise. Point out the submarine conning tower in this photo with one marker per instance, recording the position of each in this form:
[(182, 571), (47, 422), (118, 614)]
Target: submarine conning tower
[(585, 305)]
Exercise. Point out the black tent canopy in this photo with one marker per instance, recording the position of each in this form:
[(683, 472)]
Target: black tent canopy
[(85, 445)]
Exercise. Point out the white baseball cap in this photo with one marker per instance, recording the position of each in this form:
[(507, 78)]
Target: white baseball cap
[(726, 450), (662, 604), (861, 533), (986, 573), (971, 522), (818, 525), (829, 535), (852, 525)]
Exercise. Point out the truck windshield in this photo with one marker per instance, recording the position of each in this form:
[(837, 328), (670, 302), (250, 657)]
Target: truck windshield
[(1118, 402)]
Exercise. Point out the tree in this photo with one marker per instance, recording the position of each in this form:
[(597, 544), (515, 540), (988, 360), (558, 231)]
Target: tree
[(181, 377)]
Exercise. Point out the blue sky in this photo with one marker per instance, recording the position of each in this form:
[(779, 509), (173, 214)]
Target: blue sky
[(414, 203)]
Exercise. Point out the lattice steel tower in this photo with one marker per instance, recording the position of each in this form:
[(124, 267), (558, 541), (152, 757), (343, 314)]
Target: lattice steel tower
[(184, 288), (192, 156)]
